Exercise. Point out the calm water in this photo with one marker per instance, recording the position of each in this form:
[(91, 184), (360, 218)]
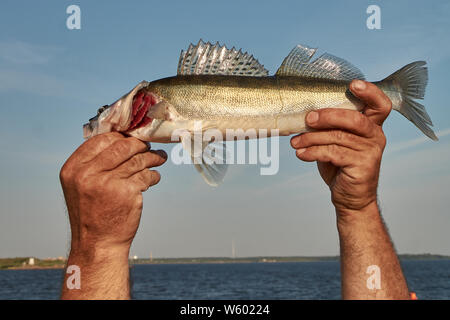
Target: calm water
[(312, 280)]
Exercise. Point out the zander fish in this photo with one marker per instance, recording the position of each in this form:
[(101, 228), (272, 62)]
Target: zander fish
[(227, 89)]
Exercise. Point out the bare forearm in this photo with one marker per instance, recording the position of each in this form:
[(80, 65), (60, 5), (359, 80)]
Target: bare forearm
[(366, 253), (104, 274)]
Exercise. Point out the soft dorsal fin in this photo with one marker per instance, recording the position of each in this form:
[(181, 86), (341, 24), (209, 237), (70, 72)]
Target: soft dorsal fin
[(205, 58), (327, 66), (295, 61)]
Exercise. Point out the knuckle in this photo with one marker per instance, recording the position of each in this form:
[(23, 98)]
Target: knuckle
[(111, 137), (136, 161), (120, 147), (137, 144), (81, 177), (142, 177), (336, 153), (103, 140), (338, 159), (103, 180), (380, 138), (365, 158), (377, 154), (66, 173), (147, 178), (139, 201), (339, 135), (383, 141), (332, 149), (326, 115), (324, 152), (129, 188), (359, 120)]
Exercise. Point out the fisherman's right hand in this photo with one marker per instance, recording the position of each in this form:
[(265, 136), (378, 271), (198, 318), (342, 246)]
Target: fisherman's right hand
[(103, 181), (348, 147)]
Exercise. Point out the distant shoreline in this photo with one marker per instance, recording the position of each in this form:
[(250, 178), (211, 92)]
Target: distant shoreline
[(42, 264), (36, 267), (272, 259)]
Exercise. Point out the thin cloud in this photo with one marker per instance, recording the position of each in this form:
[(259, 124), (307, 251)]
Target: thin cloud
[(19, 52), (415, 142), (31, 82)]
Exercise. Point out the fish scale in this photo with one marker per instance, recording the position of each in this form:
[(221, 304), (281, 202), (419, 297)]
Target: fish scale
[(229, 89)]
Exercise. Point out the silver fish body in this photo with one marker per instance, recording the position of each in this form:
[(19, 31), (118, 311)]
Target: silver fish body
[(224, 89), (240, 102)]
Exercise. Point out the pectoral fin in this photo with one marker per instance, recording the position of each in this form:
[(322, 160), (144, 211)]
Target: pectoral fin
[(159, 111)]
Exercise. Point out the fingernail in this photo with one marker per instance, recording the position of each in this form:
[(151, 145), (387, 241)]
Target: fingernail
[(162, 153), (300, 151), (312, 117), (295, 141), (358, 85)]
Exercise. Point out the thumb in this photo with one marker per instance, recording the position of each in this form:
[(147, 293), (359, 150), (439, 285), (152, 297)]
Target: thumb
[(377, 104)]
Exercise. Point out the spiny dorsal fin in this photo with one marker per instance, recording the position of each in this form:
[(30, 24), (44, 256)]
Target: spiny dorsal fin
[(327, 66), (205, 58)]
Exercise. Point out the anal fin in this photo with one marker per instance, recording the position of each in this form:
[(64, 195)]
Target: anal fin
[(209, 158)]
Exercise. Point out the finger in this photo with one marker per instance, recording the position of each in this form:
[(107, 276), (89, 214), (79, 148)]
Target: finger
[(144, 179), (117, 153), (325, 137), (141, 161), (348, 120), (334, 154), (378, 105), (95, 145)]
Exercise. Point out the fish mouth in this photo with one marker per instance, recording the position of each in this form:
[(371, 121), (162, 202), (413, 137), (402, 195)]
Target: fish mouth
[(142, 102)]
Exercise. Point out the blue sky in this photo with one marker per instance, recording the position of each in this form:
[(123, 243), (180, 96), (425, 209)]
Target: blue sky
[(52, 80)]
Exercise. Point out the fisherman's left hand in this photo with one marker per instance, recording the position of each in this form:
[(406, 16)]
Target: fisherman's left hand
[(348, 147), (103, 181)]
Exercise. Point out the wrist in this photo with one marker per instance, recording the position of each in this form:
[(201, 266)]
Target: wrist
[(103, 272), (89, 253), (351, 218)]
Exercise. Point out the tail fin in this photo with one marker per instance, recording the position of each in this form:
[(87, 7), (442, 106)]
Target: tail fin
[(405, 85)]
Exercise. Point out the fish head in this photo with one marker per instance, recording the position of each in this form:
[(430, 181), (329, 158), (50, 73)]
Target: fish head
[(135, 110)]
